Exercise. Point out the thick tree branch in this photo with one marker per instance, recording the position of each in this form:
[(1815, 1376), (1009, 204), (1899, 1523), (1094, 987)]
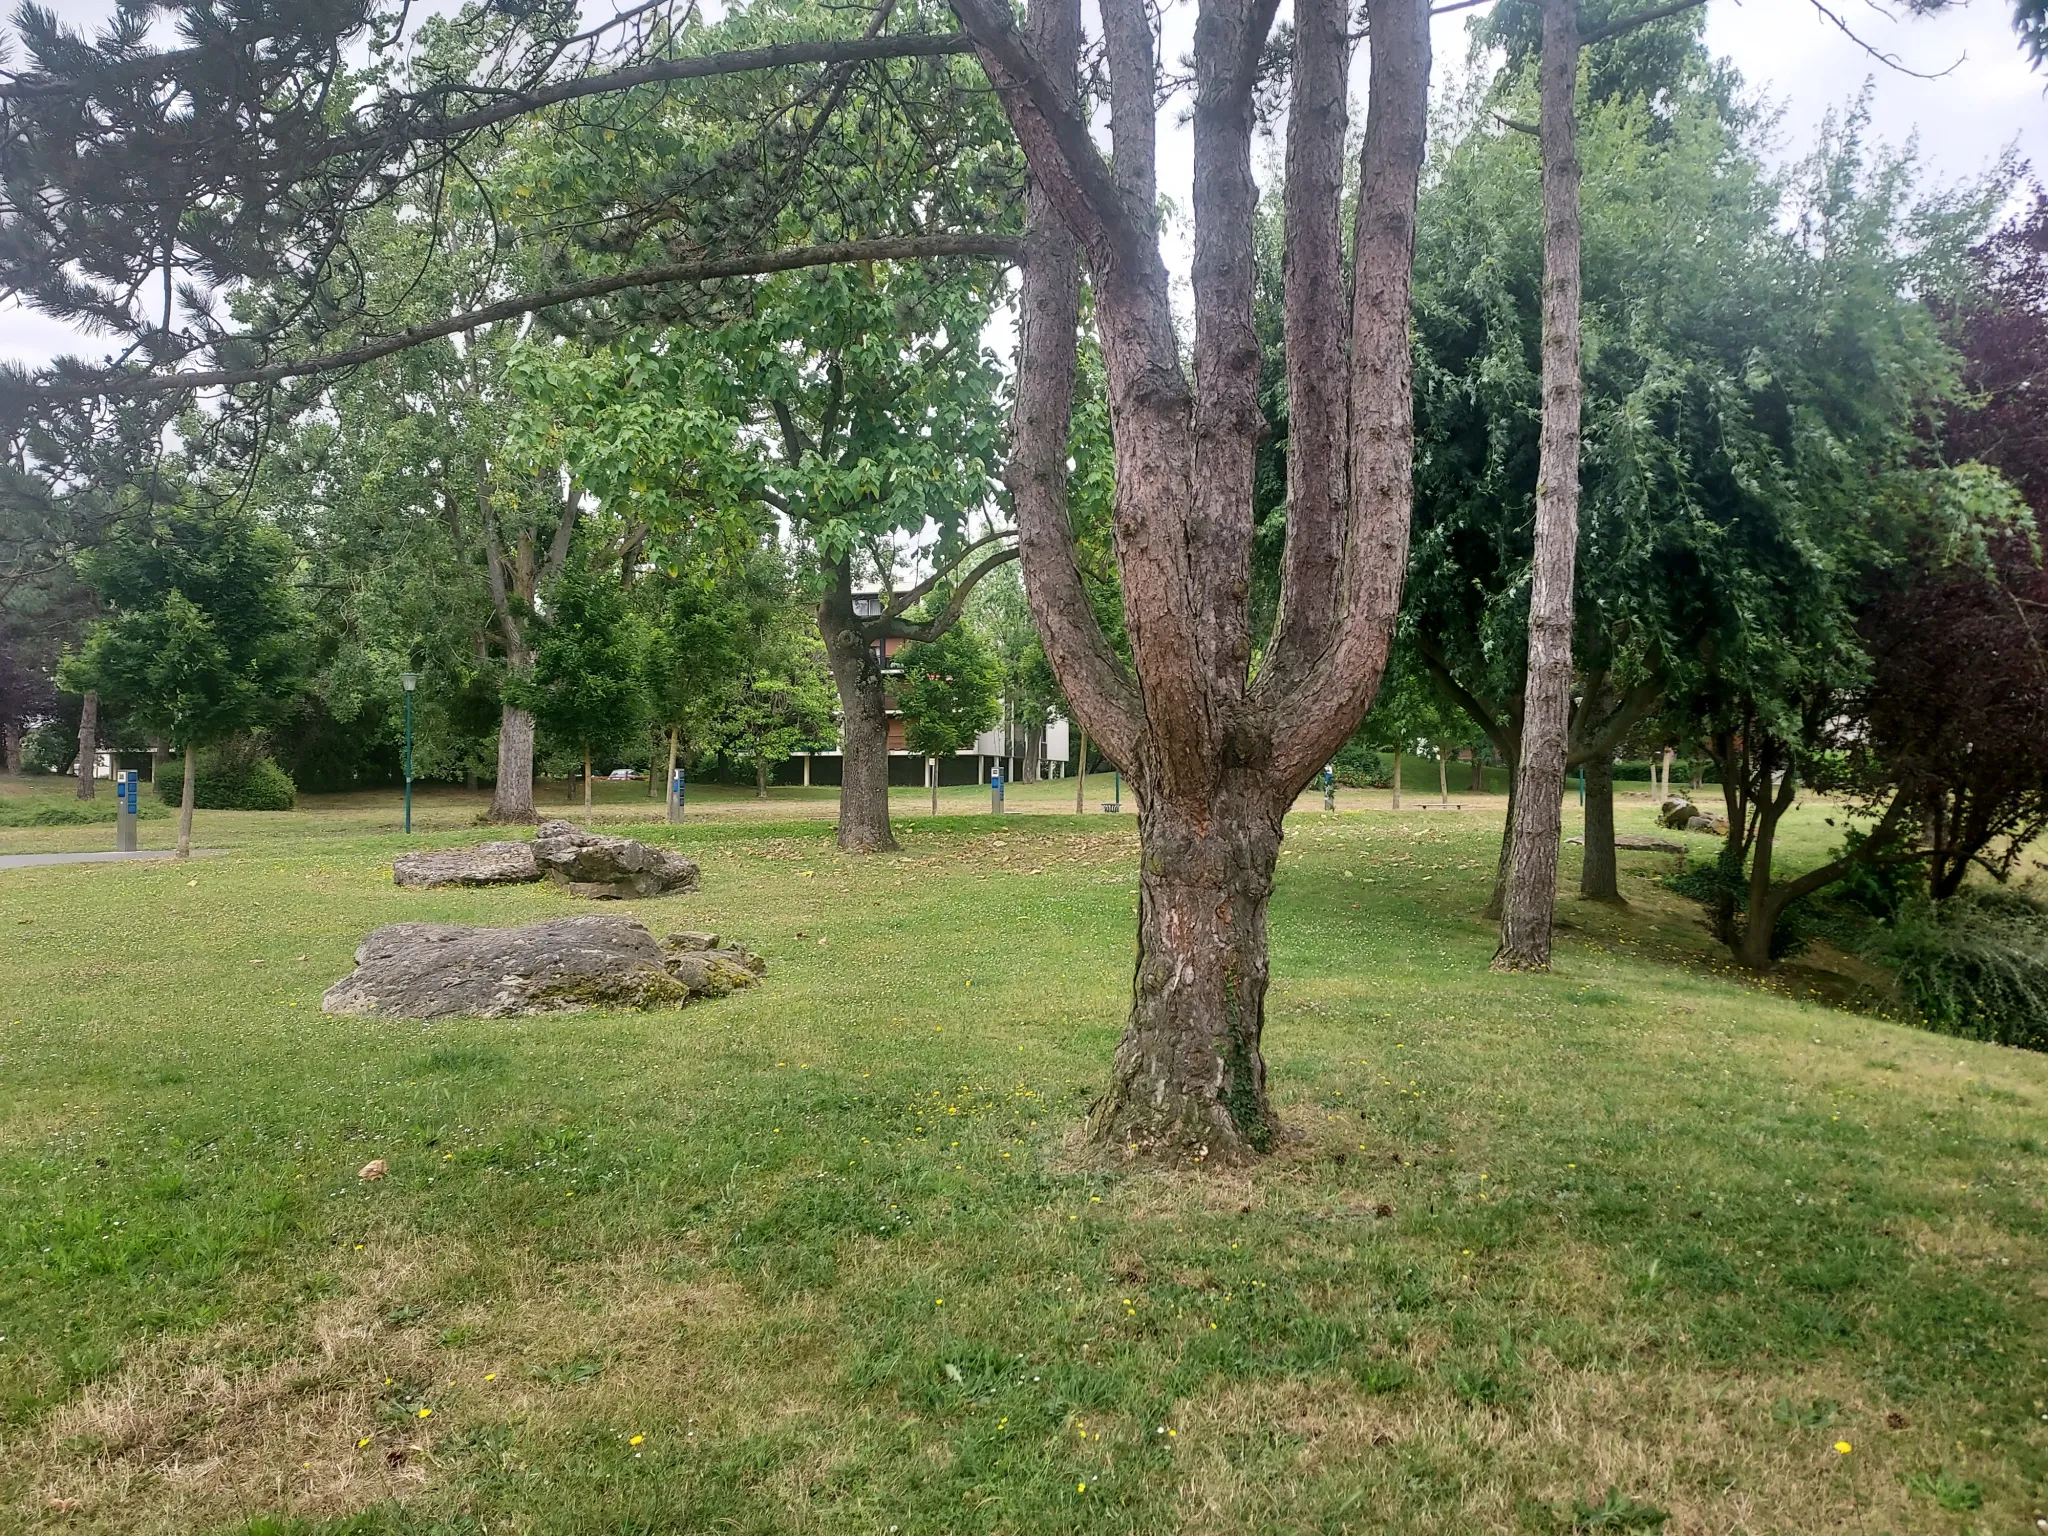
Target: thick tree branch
[(902, 602), (758, 264), (1097, 686), (1312, 267), (895, 627), (1317, 716)]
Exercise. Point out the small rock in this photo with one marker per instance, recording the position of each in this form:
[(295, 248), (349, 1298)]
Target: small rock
[(608, 868), (373, 1170), (1648, 844), (483, 864), (690, 938)]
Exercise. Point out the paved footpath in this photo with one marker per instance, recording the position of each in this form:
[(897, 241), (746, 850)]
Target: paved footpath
[(38, 860)]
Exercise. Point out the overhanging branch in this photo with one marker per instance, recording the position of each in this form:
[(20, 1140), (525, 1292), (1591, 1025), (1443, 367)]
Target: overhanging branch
[(757, 264)]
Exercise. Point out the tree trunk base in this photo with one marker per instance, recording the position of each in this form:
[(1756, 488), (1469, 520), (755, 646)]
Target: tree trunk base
[(1189, 1083)]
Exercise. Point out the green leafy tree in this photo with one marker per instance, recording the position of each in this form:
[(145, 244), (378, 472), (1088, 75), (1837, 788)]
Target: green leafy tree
[(950, 692), (587, 685), (204, 639), (781, 700)]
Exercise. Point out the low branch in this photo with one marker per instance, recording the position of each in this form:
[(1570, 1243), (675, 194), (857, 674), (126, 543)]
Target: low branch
[(758, 264)]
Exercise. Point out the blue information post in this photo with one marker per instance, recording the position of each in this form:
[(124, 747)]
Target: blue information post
[(678, 791), (127, 792), (995, 793)]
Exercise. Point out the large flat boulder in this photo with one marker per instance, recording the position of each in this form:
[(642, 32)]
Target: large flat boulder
[(564, 965), (483, 864), (608, 868)]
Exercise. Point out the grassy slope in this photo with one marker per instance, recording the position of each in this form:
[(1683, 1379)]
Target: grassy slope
[(826, 1249)]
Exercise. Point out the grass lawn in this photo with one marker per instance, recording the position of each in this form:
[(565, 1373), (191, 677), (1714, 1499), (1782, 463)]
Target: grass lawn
[(1543, 1254)]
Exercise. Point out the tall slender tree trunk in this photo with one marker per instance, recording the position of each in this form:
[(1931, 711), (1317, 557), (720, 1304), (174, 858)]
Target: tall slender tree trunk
[(1478, 785), (1397, 778), (88, 744), (1531, 894), (512, 797), (158, 755), (1664, 782), (863, 726), (185, 803), (586, 786), (760, 777), (1599, 879), (1080, 778), (1443, 780), (10, 743)]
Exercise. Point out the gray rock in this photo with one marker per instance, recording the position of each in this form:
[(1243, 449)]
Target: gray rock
[(608, 868), (483, 864), (564, 965), (1647, 844), (686, 938), (1703, 821)]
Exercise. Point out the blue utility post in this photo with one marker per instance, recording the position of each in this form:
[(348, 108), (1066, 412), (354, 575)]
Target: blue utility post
[(1582, 787), (1330, 787), (1116, 793), (995, 792), (408, 681), (127, 787), (678, 792)]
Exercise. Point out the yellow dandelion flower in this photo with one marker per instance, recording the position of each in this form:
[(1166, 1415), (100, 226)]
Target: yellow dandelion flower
[(426, 1413), (362, 1442), (636, 1440), (1843, 1447)]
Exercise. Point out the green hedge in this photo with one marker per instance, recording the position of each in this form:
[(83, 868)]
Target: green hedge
[(36, 811), (230, 778)]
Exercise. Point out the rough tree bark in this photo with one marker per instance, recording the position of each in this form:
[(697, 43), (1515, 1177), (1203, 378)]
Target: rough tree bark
[(1599, 878), (1397, 778), (10, 742), (1531, 891), (1214, 754), (88, 744)]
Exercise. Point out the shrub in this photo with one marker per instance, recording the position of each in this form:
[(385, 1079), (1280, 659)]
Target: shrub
[(1721, 885), (25, 811), (49, 747), (1975, 965), (1360, 767), (235, 776)]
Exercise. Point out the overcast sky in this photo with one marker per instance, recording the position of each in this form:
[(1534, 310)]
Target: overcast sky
[(1987, 102)]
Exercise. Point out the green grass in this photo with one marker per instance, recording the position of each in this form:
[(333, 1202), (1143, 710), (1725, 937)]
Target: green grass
[(1551, 1253)]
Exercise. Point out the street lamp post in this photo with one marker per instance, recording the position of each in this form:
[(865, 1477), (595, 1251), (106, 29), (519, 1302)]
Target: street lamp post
[(408, 681)]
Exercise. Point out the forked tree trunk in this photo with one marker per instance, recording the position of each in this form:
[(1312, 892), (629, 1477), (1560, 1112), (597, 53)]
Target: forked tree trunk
[(185, 803), (586, 787), (512, 797), (1215, 754), (1189, 1079), (864, 734), (88, 744), (1531, 890), (1599, 880)]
